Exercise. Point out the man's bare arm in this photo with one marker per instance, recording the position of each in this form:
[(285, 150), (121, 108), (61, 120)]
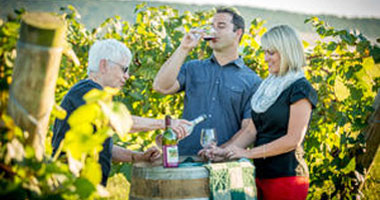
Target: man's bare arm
[(142, 124), (166, 79), (146, 124), (245, 136), (120, 154)]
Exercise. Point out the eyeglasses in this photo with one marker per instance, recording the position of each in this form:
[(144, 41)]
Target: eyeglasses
[(123, 68)]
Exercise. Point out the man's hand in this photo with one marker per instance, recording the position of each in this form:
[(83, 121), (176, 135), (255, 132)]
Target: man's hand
[(150, 155), (208, 154), (191, 39), (227, 153), (179, 127)]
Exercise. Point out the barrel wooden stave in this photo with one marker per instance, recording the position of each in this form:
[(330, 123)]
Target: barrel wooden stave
[(169, 183)]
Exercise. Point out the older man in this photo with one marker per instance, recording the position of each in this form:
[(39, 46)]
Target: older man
[(108, 65)]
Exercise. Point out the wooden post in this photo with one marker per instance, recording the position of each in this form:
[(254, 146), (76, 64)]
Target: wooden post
[(31, 96), (372, 139)]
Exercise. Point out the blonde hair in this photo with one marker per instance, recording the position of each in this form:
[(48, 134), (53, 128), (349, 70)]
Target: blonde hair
[(286, 42)]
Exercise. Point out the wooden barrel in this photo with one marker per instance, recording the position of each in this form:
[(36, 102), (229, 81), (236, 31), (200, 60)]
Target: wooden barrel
[(169, 183)]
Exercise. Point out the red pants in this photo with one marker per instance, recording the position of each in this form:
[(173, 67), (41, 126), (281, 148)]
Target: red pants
[(292, 188)]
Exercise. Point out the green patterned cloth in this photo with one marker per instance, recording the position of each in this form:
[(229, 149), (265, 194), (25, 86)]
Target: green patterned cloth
[(232, 181)]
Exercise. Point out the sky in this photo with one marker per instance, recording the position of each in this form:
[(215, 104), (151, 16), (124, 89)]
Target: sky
[(342, 8)]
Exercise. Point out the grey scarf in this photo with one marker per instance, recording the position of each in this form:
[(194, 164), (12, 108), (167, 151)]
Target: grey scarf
[(271, 88)]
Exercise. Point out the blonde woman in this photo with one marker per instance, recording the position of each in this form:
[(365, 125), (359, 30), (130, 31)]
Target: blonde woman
[(281, 112)]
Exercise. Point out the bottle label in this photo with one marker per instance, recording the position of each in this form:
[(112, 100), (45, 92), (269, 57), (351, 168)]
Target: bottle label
[(170, 155)]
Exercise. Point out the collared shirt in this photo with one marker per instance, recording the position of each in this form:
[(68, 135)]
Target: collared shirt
[(223, 93), (72, 100)]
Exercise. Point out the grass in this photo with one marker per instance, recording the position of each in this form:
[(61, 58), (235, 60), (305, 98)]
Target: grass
[(118, 187)]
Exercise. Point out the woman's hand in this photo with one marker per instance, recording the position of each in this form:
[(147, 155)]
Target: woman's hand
[(234, 152)]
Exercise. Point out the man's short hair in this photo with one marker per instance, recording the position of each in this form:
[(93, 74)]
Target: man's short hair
[(107, 49), (237, 19)]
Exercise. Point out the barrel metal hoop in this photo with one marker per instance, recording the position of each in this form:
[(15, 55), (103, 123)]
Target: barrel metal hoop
[(158, 173), (135, 198)]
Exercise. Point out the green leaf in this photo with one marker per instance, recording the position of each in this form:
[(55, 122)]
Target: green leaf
[(141, 30), (321, 30), (59, 112), (139, 6), (92, 171), (139, 18), (350, 166), (332, 46), (71, 7), (84, 188), (119, 117), (305, 44), (311, 19), (80, 140), (136, 96), (95, 95), (367, 75), (364, 80), (62, 82), (341, 91), (372, 70), (84, 114)]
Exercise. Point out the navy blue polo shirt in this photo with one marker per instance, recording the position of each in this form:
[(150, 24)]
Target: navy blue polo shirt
[(223, 93), (72, 100)]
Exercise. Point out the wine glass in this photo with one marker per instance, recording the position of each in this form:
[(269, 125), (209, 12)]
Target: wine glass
[(208, 137), (208, 31)]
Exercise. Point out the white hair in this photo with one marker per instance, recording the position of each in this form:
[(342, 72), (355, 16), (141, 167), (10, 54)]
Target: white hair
[(287, 43), (107, 49)]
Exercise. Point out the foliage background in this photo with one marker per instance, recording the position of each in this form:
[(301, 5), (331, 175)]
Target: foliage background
[(343, 71)]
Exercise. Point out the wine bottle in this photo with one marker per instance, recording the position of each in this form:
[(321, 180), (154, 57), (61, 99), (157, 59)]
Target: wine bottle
[(169, 146), (194, 122)]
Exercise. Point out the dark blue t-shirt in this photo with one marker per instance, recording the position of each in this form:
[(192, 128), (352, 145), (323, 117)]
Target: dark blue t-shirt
[(223, 93), (72, 100)]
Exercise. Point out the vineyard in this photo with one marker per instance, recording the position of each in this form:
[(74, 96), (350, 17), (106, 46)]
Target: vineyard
[(342, 67)]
